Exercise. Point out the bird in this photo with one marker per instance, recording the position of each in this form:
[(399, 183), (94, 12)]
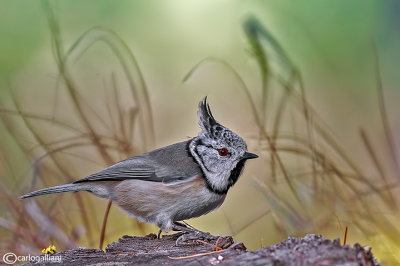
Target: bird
[(174, 183)]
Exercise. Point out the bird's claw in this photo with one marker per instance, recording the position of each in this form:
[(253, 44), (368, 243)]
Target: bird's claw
[(194, 235)]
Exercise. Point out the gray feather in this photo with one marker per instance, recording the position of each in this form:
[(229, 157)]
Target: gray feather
[(168, 165), (52, 190)]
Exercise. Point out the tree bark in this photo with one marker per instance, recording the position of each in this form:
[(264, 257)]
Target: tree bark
[(148, 250)]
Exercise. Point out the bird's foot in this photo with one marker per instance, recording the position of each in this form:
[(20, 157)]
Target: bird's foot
[(193, 236), (183, 227)]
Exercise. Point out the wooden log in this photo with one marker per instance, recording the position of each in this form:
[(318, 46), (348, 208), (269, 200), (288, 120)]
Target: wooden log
[(148, 250)]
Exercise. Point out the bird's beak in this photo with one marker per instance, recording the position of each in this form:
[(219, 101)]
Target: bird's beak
[(249, 155)]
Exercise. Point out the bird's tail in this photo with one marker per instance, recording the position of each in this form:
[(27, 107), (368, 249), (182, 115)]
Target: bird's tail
[(57, 189)]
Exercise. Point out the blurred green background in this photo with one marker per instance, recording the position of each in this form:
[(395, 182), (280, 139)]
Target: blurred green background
[(340, 48)]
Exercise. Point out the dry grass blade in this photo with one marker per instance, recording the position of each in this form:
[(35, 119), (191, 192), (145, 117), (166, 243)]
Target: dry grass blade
[(267, 51), (285, 209), (383, 112), (31, 135), (377, 165), (42, 118), (322, 163), (132, 73), (130, 66), (42, 220), (70, 84), (235, 74), (273, 50), (56, 161), (250, 222), (336, 176), (261, 40), (252, 30)]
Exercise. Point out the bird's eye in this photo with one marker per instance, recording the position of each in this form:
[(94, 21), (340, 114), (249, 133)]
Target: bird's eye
[(223, 152)]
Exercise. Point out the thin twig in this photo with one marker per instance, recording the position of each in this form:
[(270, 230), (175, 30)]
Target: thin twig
[(345, 236), (196, 255), (103, 227)]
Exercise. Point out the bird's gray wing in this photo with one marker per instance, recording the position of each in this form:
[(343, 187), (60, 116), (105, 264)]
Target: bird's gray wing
[(119, 172), (169, 164)]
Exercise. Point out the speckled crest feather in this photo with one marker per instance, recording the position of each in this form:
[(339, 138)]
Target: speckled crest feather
[(206, 119), (211, 127)]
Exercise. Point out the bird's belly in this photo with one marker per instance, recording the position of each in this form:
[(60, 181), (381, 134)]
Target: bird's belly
[(159, 203)]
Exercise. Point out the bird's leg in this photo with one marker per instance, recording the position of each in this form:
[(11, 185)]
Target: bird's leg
[(190, 234), (177, 223)]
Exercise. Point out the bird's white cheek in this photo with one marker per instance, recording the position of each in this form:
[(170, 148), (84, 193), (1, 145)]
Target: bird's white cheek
[(230, 166), (211, 162)]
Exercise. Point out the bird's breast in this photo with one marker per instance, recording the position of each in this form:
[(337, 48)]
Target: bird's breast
[(152, 201)]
